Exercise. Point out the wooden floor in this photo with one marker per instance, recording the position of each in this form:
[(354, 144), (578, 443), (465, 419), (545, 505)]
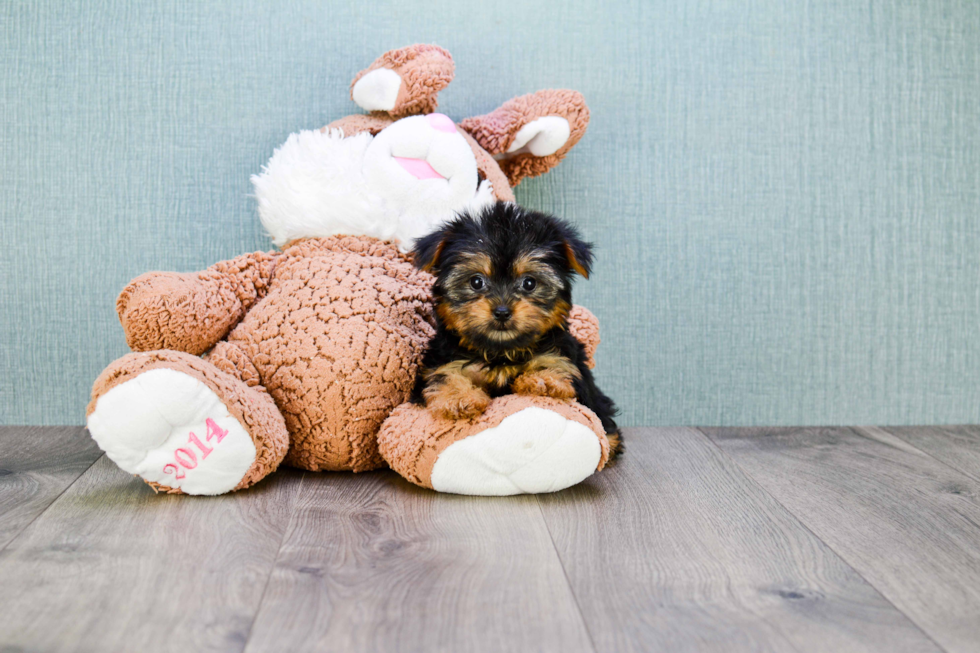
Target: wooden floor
[(862, 539)]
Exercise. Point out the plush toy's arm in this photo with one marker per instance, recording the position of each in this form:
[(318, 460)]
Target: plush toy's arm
[(192, 312), (584, 327), (404, 82)]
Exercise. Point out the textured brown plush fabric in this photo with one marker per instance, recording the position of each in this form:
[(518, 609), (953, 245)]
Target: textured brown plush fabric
[(191, 312), (322, 340), (413, 437), (357, 123), (336, 341), (252, 407), (232, 360), (425, 70), (330, 331), (584, 327), (495, 131)]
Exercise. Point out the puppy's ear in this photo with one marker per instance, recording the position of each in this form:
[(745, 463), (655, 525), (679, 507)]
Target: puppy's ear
[(428, 250), (579, 254)]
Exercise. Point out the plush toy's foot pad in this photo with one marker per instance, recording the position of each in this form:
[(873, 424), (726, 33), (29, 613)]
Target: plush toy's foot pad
[(171, 427), (530, 452), (521, 445)]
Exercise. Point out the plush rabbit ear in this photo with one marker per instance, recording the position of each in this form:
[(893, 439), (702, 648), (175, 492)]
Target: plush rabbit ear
[(404, 82), (531, 134)]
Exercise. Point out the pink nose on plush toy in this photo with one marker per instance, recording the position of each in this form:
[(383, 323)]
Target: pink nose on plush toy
[(441, 122)]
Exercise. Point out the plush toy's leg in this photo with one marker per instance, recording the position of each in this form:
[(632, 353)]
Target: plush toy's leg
[(405, 81), (184, 425), (521, 445)]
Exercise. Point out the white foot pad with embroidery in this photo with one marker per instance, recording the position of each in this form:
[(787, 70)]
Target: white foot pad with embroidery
[(530, 452), (170, 428)]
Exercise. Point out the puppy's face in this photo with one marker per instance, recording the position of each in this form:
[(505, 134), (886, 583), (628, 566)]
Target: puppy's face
[(503, 277), (501, 302)]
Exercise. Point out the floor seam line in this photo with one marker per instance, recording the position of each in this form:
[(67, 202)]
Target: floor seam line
[(837, 553), (564, 572), (272, 569), (48, 507), (969, 475)]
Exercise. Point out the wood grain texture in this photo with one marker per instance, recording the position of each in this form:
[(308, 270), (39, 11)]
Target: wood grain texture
[(112, 567), (906, 522), (371, 563), (957, 446), (675, 549), (36, 465), (763, 540)]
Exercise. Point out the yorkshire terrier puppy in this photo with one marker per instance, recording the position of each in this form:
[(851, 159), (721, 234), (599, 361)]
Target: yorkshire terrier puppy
[(503, 291)]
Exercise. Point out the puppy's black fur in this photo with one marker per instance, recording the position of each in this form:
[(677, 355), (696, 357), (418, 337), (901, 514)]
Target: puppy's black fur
[(502, 294)]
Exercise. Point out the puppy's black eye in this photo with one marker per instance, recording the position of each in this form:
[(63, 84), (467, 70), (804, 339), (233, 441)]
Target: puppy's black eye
[(477, 282), (529, 284)]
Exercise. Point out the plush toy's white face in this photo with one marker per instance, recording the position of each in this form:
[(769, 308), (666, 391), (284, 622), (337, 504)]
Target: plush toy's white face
[(401, 184), (422, 162)]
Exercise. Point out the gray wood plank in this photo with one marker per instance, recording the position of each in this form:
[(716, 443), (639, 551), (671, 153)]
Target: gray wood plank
[(371, 563), (110, 566), (675, 549), (36, 465), (908, 523), (957, 446)]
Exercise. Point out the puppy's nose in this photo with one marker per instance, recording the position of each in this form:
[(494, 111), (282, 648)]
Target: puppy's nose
[(502, 313)]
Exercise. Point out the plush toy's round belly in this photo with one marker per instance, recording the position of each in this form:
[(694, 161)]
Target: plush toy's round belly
[(337, 341)]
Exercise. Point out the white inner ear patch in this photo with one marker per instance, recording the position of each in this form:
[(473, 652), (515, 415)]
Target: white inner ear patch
[(377, 90), (541, 137)]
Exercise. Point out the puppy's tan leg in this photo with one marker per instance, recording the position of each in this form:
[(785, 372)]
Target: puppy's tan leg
[(451, 393), (544, 383), (615, 446), (547, 375)]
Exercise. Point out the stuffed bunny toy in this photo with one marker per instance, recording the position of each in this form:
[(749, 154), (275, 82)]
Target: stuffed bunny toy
[(307, 354)]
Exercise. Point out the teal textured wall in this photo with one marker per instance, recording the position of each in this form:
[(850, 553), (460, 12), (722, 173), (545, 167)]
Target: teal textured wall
[(785, 195)]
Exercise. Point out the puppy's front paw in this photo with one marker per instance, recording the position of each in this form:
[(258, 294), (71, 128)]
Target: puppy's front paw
[(544, 383), (454, 402)]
